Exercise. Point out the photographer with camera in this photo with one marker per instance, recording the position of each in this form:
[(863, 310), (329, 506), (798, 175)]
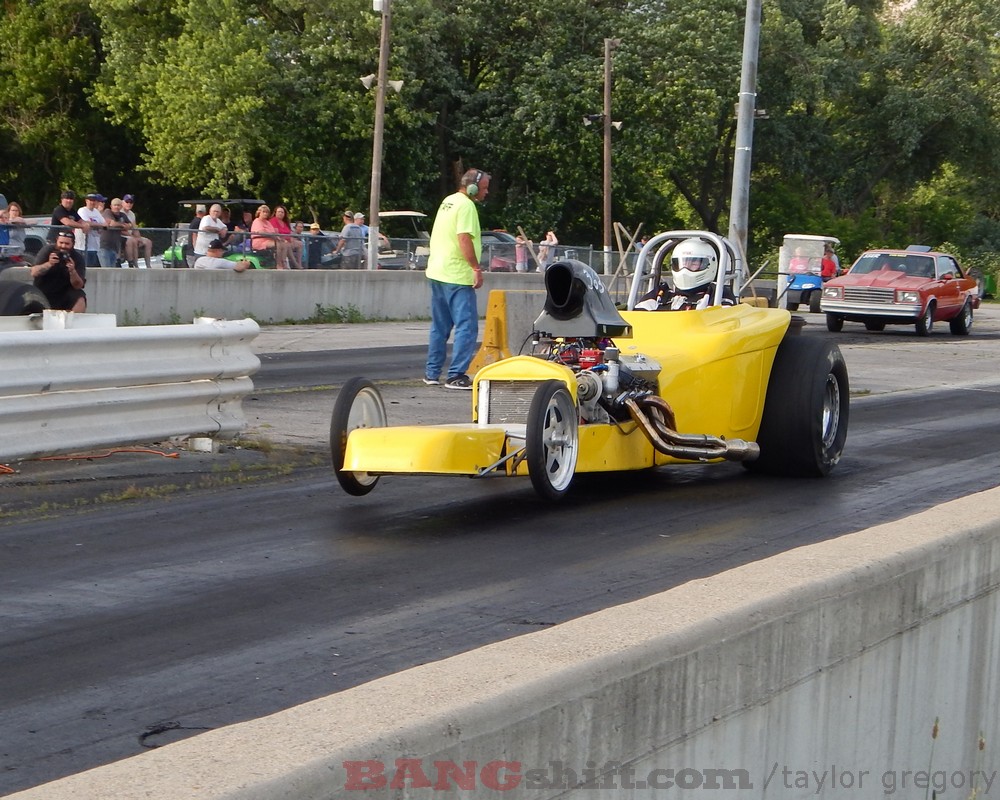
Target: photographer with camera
[(60, 274)]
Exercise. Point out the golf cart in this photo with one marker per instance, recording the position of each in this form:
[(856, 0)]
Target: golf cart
[(799, 266), (180, 253)]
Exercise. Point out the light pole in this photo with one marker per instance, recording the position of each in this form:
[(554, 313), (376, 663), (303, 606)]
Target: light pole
[(739, 204), (609, 46), (605, 118), (376, 187)]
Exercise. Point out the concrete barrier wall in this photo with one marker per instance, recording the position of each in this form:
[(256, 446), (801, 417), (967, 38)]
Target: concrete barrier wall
[(179, 295), (815, 672)]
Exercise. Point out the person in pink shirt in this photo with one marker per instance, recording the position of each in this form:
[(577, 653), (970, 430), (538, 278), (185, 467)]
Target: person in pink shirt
[(263, 235), (287, 245)]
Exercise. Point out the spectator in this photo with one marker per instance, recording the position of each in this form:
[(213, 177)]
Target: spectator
[(209, 228), (60, 274), (263, 241), (115, 222), (521, 245), (15, 231), (65, 217), (314, 245), (453, 271), (282, 227), (90, 240), (351, 244), (547, 249), (383, 240), (298, 244), (199, 213), (4, 232), (214, 260), (135, 240), (830, 265)]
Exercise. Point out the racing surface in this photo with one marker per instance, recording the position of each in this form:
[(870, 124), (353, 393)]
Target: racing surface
[(136, 624)]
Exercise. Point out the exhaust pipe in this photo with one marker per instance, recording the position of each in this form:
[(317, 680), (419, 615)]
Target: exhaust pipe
[(659, 426)]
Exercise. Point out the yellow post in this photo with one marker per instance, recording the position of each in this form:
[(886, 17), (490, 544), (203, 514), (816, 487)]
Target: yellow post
[(494, 347)]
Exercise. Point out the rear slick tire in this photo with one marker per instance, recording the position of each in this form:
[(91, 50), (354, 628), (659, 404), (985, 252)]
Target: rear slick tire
[(804, 425), (359, 405), (552, 441)]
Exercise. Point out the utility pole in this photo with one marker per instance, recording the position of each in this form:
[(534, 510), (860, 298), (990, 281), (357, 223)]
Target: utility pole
[(739, 206), (609, 47), (376, 187)]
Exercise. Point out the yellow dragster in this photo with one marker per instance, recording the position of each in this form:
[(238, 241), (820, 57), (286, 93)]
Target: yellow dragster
[(607, 390)]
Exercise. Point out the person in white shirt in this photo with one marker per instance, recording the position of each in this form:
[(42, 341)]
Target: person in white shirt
[(210, 227), (91, 239), (214, 259)]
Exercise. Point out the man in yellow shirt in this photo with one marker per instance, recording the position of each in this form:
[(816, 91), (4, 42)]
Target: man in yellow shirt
[(454, 274)]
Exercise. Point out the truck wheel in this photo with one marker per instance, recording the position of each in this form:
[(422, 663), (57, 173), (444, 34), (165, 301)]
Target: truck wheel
[(553, 440), (834, 323), (926, 322), (875, 326), (19, 299), (359, 405), (806, 410), (962, 324)]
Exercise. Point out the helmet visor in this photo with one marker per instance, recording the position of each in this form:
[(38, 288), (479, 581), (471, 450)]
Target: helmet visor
[(690, 263)]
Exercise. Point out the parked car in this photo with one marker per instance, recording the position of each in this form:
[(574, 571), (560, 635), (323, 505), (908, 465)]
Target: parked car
[(498, 251), (497, 256), (916, 286)]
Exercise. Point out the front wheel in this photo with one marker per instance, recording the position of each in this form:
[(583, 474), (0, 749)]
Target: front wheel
[(962, 324), (834, 323), (814, 298), (553, 440), (806, 410), (926, 322), (358, 405)]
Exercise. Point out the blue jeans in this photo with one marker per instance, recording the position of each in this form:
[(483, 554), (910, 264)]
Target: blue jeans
[(453, 306), (107, 257)]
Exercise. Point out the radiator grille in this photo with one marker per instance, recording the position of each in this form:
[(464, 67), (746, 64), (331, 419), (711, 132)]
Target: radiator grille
[(509, 401), (869, 294)]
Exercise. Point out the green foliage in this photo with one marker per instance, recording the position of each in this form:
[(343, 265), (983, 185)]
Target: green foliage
[(880, 129)]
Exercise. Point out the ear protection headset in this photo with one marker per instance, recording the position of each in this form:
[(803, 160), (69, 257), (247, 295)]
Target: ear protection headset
[(473, 188)]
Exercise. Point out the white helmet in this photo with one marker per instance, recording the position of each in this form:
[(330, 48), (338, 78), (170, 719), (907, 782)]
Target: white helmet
[(694, 263)]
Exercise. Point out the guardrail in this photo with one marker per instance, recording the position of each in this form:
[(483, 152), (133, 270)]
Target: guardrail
[(77, 388)]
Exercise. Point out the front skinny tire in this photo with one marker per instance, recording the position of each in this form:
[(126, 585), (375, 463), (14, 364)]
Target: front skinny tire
[(552, 442)]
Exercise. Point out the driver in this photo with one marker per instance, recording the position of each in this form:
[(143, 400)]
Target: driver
[(695, 266)]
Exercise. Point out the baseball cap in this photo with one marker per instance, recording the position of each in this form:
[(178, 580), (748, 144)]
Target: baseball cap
[(349, 213), (128, 198), (216, 244), (315, 227), (359, 215), (200, 207), (68, 195), (95, 196)]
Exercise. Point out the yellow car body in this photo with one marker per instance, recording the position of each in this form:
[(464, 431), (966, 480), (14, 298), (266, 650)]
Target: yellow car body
[(607, 390), (714, 371)]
